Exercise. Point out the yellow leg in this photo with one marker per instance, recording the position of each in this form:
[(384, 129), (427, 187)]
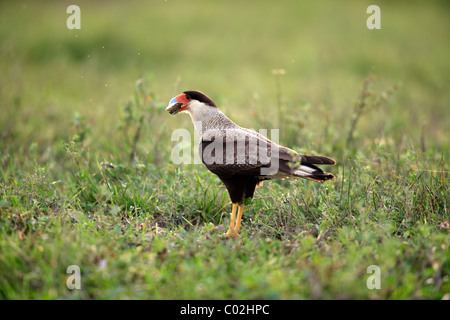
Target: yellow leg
[(231, 230), (239, 217)]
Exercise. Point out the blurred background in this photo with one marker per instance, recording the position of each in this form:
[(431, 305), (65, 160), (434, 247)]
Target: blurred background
[(86, 176), (295, 65)]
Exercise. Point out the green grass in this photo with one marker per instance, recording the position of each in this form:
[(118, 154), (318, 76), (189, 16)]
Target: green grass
[(86, 177)]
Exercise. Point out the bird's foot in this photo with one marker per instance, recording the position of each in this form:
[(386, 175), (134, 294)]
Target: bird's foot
[(231, 233)]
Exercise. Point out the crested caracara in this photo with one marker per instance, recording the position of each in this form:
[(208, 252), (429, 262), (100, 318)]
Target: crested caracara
[(242, 158)]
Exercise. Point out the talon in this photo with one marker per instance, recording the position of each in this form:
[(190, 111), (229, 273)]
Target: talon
[(231, 233)]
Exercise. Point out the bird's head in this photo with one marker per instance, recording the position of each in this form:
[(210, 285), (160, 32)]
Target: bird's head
[(189, 101)]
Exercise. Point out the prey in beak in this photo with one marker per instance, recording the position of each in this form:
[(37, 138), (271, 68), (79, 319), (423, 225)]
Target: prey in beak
[(178, 104)]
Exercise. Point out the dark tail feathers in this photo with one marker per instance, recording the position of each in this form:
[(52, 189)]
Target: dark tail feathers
[(309, 171), (305, 160)]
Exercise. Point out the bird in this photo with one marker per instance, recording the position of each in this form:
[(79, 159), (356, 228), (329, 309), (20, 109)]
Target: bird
[(242, 158)]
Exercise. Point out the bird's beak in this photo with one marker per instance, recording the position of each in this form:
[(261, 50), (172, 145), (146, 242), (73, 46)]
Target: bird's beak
[(177, 104)]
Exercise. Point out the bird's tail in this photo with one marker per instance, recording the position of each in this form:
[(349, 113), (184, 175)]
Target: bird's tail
[(308, 170), (316, 160)]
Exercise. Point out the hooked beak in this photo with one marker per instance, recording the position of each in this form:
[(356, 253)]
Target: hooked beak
[(177, 104)]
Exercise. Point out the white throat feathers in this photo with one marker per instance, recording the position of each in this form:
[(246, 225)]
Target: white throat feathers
[(206, 117)]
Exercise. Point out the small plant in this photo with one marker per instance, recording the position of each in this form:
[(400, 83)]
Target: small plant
[(140, 117), (368, 100)]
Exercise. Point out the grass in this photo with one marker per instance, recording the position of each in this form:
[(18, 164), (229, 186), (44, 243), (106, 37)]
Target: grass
[(86, 177)]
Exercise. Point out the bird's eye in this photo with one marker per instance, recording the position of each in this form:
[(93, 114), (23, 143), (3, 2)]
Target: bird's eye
[(188, 97)]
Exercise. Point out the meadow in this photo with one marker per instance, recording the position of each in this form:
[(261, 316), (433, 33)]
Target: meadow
[(87, 180)]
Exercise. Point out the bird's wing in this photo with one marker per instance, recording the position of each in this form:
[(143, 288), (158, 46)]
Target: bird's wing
[(240, 151)]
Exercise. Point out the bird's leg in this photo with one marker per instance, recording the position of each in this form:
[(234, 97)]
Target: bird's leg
[(231, 230), (239, 217)]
